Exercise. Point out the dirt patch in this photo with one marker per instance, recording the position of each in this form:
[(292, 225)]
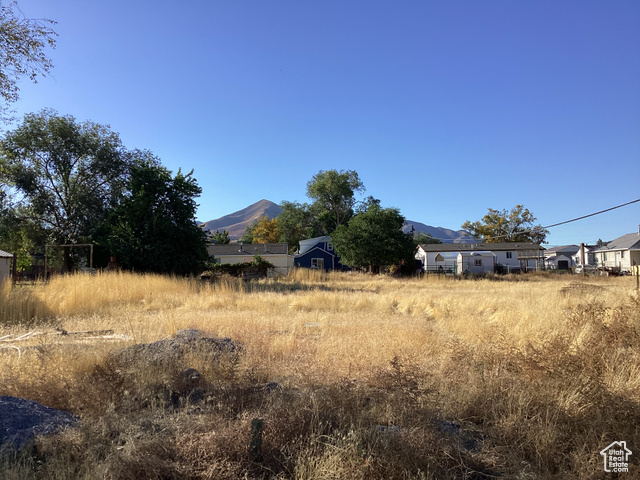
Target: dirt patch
[(581, 288)]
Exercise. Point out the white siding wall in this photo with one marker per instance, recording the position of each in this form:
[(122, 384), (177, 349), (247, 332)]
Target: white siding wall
[(429, 258), (467, 263), (5, 268), (617, 259), (501, 259)]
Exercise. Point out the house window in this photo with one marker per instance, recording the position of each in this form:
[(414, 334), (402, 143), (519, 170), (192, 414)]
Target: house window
[(622, 254), (509, 254), (317, 263), (477, 262), (330, 246)]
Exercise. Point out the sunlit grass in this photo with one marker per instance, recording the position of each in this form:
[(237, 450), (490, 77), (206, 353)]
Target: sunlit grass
[(538, 363)]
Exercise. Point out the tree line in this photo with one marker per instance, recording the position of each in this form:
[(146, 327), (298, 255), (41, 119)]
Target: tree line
[(364, 234), (65, 182)]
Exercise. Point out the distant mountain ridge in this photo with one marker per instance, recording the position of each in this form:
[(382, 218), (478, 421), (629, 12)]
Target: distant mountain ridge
[(445, 235), (237, 222)]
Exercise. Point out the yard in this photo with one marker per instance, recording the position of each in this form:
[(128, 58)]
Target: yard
[(354, 376)]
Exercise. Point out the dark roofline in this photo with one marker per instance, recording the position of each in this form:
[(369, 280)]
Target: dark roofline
[(563, 247), (472, 247), (299, 255), (249, 249)]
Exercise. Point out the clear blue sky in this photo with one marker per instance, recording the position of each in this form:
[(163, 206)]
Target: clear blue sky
[(444, 108)]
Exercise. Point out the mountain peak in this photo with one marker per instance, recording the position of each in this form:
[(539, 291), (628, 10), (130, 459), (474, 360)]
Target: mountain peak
[(236, 223)]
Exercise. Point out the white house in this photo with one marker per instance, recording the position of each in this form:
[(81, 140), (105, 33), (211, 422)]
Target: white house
[(621, 253), (558, 262), (5, 265), (586, 255), (516, 255), (276, 253), (476, 262), (560, 258)]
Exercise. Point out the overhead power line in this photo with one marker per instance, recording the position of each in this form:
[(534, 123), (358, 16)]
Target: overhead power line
[(593, 214), (567, 221)]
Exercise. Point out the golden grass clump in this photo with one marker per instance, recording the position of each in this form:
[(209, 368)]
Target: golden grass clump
[(355, 376)]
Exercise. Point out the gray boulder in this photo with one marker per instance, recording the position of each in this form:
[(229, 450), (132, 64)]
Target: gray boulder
[(21, 420), (174, 350)]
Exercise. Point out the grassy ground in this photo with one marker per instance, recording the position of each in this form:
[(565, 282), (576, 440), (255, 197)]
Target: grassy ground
[(524, 377)]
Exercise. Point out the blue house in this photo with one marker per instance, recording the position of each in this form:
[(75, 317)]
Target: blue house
[(318, 253)]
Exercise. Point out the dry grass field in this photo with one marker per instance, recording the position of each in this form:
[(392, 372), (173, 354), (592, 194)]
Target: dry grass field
[(522, 377)]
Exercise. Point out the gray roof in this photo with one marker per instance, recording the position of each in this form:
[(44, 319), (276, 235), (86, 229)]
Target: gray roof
[(570, 249), (4, 254), (630, 241), (308, 243), (472, 247), (249, 249)]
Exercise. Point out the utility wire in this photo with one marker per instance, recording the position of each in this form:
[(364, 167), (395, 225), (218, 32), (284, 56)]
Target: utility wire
[(593, 214), (566, 221)]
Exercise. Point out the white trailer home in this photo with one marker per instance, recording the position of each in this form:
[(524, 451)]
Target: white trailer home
[(516, 255)]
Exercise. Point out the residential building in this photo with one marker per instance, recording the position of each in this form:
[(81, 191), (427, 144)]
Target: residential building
[(560, 258), (276, 253), (620, 254), (586, 255), (515, 255), (5, 265), (318, 253)]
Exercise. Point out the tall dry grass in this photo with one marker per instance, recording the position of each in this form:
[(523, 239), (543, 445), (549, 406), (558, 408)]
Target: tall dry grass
[(377, 377)]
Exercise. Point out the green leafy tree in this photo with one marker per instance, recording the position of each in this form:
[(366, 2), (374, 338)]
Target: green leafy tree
[(498, 226), (295, 223), (333, 193), (23, 44), (65, 176), (373, 238), (424, 238), (154, 228), (15, 237), (221, 238), (247, 236)]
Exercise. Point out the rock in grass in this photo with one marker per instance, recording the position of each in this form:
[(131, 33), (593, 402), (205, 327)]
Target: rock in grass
[(174, 350), (466, 440), (21, 420)]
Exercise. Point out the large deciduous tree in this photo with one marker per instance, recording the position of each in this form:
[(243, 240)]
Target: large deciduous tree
[(498, 226), (295, 223), (154, 228), (65, 175), (373, 238), (266, 230), (23, 44), (333, 193), (424, 238)]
